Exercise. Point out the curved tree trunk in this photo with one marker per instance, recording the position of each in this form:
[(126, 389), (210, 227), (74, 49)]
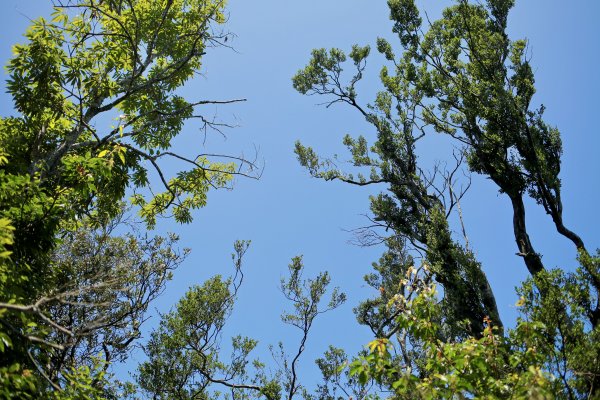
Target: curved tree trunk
[(533, 261)]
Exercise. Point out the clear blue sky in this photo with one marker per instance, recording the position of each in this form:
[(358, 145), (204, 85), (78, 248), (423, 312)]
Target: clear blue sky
[(287, 213)]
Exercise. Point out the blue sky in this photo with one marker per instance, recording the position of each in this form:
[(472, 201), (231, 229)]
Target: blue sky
[(287, 213)]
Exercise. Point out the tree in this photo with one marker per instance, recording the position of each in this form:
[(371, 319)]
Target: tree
[(109, 283), (73, 292), (461, 76), (62, 161), (418, 206), (185, 358)]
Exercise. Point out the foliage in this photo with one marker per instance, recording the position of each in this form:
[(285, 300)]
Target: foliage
[(96, 95), (96, 91), (107, 285), (489, 367), (558, 302), (306, 296), (111, 282), (418, 204), (83, 382), (461, 76), (126, 60), (337, 381), (185, 352), (548, 355)]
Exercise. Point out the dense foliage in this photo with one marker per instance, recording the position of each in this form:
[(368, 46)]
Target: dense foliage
[(461, 76), (97, 108)]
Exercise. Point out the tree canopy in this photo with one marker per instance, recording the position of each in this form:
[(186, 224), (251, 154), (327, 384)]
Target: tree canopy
[(95, 91), (89, 163), (464, 77)]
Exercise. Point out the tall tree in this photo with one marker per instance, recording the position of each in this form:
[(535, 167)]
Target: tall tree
[(108, 283), (462, 76), (95, 91), (185, 353), (417, 204)]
